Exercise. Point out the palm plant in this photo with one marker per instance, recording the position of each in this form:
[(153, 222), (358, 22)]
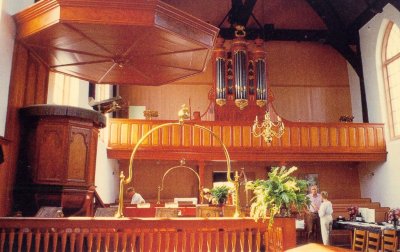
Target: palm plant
[(279, 192), (220, 193)]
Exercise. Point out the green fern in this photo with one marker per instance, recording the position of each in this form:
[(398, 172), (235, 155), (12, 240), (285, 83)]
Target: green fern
[(279, 191)]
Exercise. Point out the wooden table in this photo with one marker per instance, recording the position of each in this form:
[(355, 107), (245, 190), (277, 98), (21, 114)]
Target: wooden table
[(316, 247)]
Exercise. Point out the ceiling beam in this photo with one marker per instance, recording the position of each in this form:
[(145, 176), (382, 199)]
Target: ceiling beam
[(240, 12), (271, 34), (338, 36), (366, 16)]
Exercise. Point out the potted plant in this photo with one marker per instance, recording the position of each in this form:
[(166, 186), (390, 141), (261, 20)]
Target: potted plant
[(220, 194), (278, 195)]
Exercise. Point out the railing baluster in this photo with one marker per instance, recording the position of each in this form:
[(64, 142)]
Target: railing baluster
[(217, 241), (226, 240), (233, 240), (241, 241), (72, 239), (159, 241), (107, 241), (37, 240), (46, 239), (89, 240), (28, 240), (192, 241), (11, 238), (151, 238), (98, 241), (266, 240), (20, 239), (63, 240), (167, 240), (55, 240), (258, 240), (142, 241), (81, 236), (116, 241), (200, 240), (250, 240), (183, 241), (176, 240), (209, 241), (133, 241), (2, 239), (124, 241)]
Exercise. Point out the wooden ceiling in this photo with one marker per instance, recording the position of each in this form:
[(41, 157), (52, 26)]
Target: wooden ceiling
[(157, 42), (119, 41), (332, 22)]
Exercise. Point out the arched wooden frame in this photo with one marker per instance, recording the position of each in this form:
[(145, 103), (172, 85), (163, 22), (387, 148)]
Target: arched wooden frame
[(183, 114), (161, 187)]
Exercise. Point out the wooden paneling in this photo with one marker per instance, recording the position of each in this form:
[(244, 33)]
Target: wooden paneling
[(69, 141), (78, 156), (308, 141), (50, 143), (95, 23), (339, 179), (28, 85)]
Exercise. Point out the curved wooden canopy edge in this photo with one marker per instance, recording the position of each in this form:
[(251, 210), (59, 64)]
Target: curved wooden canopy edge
[(117, 42)]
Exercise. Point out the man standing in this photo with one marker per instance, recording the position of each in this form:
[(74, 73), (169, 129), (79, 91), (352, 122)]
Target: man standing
[(136, 197), (312, 218)]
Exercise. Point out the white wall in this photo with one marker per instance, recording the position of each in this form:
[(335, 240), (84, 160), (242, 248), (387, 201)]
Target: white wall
[(7, 35), (107, 175), (379, 181), (355, 93)]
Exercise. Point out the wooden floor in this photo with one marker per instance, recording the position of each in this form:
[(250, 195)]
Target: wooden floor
[(317, 247), (302, 240)]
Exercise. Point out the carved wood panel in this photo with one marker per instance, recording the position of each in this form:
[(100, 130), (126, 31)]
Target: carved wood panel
[(50, 144), (78, 154)]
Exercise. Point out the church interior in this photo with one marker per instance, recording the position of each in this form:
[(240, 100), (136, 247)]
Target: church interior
[(174, 99)]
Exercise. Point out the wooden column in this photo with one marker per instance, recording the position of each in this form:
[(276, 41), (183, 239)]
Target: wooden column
[(4, 168)]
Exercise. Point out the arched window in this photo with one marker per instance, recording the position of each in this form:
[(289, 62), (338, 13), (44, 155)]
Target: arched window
[(391, 73)]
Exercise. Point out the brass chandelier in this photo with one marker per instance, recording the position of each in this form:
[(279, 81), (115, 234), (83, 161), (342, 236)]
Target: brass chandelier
[(268, 129)]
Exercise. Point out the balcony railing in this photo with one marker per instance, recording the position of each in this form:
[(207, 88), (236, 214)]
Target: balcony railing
[(301, 141)]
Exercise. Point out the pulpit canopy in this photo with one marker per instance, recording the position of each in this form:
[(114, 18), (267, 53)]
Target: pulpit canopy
[(117, 42)]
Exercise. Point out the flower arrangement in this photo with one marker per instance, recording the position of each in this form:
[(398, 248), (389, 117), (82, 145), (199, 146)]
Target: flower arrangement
[(394, 214), (353, 211)]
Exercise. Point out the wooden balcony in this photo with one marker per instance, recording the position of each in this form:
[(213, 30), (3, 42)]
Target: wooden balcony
[(300, 142)]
